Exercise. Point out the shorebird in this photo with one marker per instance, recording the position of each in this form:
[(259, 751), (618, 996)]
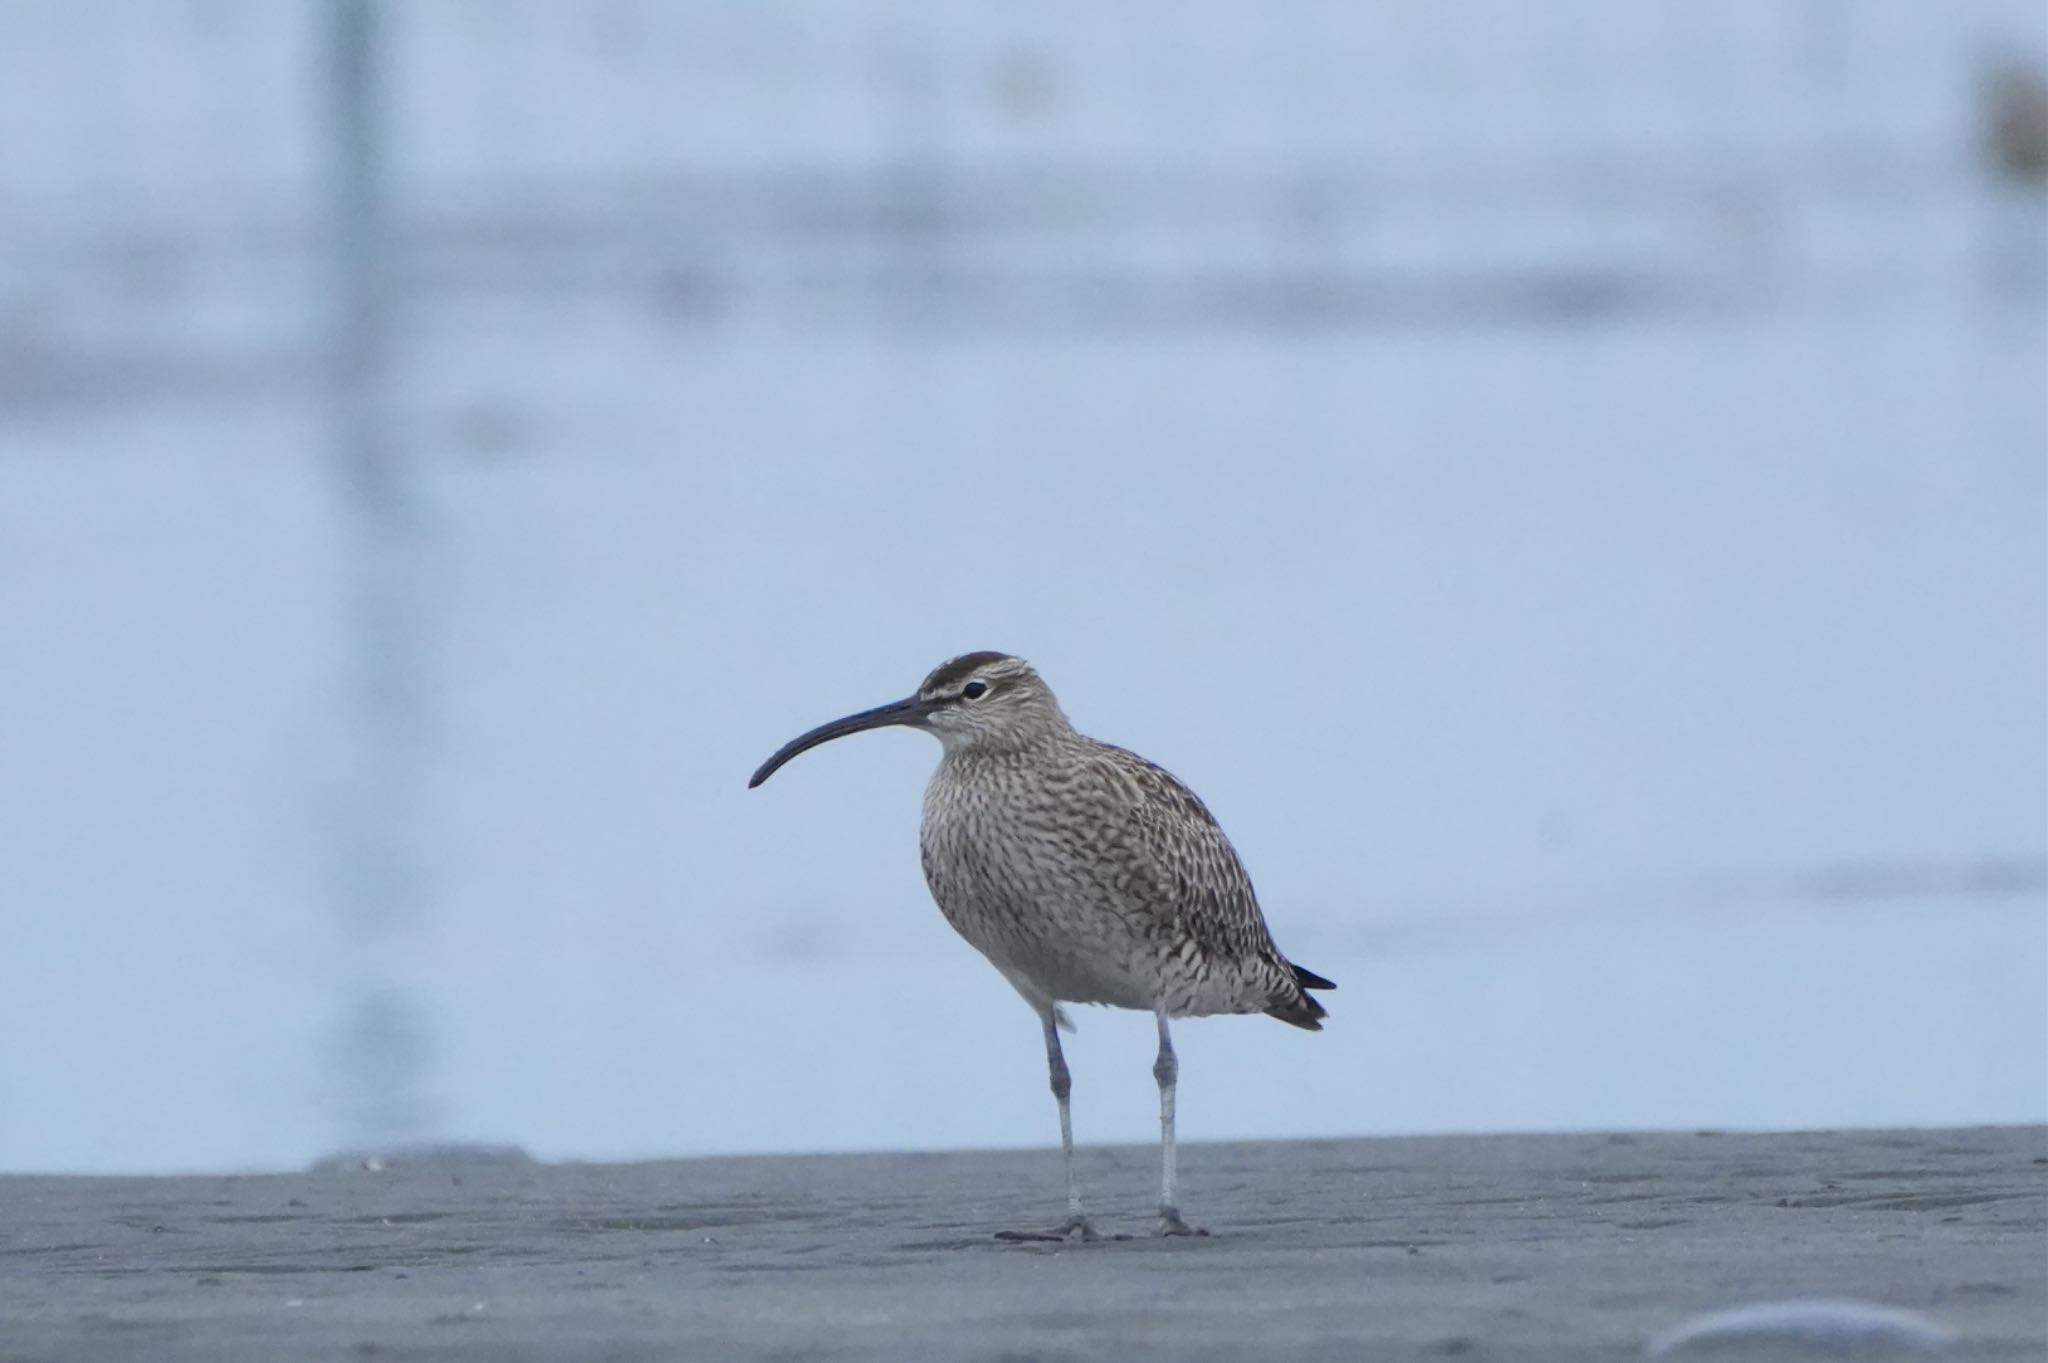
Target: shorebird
[(1085, 874)]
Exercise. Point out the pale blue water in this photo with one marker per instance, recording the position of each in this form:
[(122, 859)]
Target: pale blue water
[(1642, 717)]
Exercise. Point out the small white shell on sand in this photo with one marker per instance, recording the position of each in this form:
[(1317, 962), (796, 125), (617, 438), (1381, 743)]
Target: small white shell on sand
[(1812, 1327)]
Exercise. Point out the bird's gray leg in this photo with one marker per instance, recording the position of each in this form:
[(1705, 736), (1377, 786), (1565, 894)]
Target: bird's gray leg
[(1077, 1225), (1062, 1086), (1166, 1069)]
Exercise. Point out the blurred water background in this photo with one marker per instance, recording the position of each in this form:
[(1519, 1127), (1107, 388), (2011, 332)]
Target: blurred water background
[(1565, 482)]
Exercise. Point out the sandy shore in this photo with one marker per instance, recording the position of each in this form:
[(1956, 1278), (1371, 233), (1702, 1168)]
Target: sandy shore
[(1568, 1248)]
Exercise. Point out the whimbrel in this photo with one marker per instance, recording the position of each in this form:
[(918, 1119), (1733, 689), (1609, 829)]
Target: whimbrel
[(1086, 875)]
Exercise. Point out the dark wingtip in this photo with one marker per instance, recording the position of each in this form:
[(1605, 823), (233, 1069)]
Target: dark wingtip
[(1308, 979)]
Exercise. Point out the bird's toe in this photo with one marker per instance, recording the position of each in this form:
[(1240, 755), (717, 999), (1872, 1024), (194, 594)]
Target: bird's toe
[(1170, 1223), (1076, 1230)]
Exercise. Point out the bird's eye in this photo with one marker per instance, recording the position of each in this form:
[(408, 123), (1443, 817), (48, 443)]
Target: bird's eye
[(975, 689)]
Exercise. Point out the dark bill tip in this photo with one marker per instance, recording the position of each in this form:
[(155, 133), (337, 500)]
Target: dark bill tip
[(911, 711)]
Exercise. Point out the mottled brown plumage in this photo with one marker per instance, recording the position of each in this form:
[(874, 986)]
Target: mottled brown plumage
[(1083, 872)]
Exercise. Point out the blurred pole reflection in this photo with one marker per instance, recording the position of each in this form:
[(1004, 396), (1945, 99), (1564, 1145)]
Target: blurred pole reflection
[(380, 876)]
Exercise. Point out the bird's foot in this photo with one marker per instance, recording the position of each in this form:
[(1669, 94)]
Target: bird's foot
[(1171, 1224), (1076, 1231)]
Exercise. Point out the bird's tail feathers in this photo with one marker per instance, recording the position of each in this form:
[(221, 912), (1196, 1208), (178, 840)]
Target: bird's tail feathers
[(1295, 1005)]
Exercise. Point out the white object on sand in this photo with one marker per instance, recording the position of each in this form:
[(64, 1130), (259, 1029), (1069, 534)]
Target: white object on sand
[(1825, 1328)]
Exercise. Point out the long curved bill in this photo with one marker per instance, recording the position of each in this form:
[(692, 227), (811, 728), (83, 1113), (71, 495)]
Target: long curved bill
[(911, 711)]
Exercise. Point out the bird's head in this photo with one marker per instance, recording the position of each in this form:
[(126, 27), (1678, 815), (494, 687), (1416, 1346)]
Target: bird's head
[(977, 700)]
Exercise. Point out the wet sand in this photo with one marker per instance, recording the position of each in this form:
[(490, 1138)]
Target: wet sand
[(1567, 1248)]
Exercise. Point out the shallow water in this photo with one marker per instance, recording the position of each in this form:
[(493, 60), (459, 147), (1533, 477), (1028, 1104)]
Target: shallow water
[(1641, 716)]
